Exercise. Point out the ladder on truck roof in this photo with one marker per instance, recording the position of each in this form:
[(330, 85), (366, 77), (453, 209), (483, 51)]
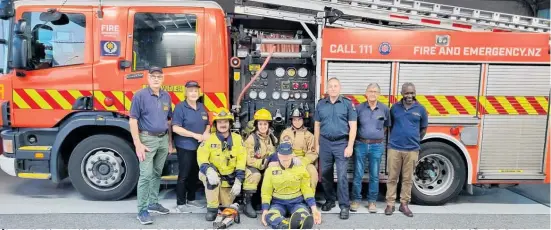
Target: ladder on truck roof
[(402, 13)]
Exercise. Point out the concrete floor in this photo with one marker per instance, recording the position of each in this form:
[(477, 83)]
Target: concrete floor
[(42, 204)]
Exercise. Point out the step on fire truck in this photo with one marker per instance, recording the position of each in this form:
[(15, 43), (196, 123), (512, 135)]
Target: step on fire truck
[(70, 69)]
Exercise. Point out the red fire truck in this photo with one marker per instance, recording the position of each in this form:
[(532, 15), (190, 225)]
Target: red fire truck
[(69, 72)]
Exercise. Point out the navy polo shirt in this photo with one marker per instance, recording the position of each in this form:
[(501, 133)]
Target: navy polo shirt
[(151, 111), (195, 121), (371, 123), (334, 118), (406, 126)]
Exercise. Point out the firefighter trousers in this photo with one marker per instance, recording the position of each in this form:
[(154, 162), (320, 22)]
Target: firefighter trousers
[(218, 195), (280, 209), (252, 179)]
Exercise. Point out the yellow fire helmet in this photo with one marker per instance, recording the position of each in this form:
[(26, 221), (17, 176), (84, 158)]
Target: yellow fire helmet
[(263, 115), (223, 114)]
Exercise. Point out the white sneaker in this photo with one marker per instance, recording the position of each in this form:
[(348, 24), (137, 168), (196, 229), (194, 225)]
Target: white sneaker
[(196, 204), (182, 209)]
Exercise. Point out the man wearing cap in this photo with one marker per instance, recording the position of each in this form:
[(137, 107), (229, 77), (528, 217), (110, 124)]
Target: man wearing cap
[(150, 115), (286, 192), (190, 125), (303, 145)]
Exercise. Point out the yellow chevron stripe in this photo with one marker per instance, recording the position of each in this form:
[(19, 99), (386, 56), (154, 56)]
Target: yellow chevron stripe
[(209, 104), (487, 105), (384, 99), (119, 96), (447, 105), (19, 101), (59, 99), (127, 102), (506, 105), (543, 103), (526, 105), (101, 97), (75, 93), (37, 99), (430, 109), (223, 99), (466, 104)]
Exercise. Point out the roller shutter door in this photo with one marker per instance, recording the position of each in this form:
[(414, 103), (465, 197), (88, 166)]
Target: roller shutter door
[(444, 89), (515, 124), (355, 76)]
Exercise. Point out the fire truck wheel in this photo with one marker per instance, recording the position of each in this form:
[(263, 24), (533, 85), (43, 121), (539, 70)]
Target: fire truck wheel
[(104, 167), (439, 176)]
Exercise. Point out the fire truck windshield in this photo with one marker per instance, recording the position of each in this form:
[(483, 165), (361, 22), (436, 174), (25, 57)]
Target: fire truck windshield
[(4, 37)]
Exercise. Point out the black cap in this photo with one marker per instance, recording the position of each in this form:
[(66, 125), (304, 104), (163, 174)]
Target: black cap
[(153, 69), (192, 84)]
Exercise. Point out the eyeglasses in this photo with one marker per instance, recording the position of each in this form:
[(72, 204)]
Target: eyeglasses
[(156, 76)]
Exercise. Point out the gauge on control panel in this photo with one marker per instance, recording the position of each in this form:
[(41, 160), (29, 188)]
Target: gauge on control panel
[(302, 72), (275, 95), (304, 95), (262, 95), (280, 72), (285, 95), (291, 72), (253, 94), (264, 75), (297, 95)]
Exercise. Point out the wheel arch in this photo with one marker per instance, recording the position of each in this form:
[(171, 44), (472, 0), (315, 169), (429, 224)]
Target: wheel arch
[(451, 141), (75, 129)]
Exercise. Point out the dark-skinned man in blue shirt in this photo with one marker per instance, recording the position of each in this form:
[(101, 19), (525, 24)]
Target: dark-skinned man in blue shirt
[(335, 132), (409, 126)]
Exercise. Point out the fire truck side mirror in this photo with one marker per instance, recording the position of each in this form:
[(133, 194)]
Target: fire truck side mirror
[(6, 9), (20, 45)]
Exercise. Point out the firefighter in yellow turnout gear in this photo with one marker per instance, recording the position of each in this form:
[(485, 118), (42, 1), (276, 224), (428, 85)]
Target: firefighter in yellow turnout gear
[(286, 190), (260, 145), (222, 160), (303, 145)]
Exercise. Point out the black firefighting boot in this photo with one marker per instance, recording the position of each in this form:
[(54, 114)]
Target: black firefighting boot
[(249, 210), (211, 214)]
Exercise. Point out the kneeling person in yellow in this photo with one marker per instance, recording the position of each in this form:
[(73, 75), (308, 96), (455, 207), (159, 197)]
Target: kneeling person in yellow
[(260, 145), (303, 145), (286, 190), (221, 159)]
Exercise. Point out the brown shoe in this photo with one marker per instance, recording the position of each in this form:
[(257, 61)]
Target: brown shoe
[(389, 210), (354, 206), (405, 209), (372, 207)]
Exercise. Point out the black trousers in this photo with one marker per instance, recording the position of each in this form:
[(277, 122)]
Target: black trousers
[(188, 175)]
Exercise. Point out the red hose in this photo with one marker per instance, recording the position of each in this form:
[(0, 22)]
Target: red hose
[(238, 103)]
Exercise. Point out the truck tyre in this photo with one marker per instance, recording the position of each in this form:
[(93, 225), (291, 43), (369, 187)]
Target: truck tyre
[(439, 176), (104, 167)]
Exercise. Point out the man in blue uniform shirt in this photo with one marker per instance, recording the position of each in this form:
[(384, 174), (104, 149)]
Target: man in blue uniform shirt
[(150, 115), (335, 132), (409, 126), (373, 120)]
